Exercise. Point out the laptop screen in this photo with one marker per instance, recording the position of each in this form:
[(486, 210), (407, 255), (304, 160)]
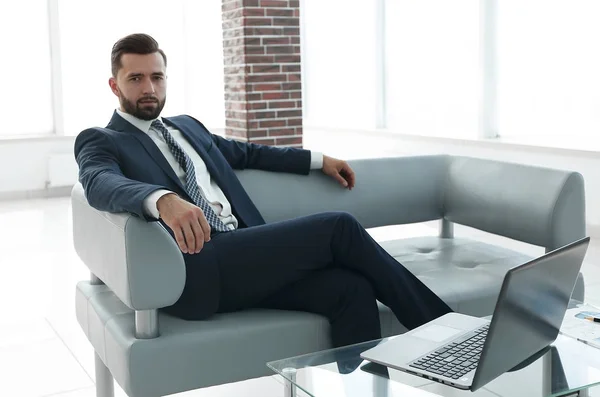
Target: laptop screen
[(529, 310)]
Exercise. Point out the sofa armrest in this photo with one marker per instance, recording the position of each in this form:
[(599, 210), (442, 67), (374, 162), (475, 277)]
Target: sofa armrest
[(137, 260), (536, 205)]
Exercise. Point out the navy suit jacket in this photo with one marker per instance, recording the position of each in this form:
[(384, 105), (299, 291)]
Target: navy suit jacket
[(120, 165)]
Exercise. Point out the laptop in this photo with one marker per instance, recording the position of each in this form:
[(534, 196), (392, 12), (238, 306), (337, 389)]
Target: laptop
[(468, 352)]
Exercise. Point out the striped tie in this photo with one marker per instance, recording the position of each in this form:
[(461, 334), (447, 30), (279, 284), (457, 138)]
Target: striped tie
[(191, 184)]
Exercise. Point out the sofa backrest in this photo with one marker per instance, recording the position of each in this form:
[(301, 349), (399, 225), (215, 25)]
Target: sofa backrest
[(540, 206), (388, 191)]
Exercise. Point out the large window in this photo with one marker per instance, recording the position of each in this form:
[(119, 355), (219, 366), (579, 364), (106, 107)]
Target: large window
[(26, 99), (339, 63), (549, 69), (521, 70), (515, 69), (79, 35), (432, 79)]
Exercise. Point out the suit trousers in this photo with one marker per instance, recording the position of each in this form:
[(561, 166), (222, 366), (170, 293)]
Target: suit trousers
[(325, 263)]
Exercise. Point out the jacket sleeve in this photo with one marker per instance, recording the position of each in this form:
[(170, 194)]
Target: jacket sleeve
[(241, 155), (106, 188)]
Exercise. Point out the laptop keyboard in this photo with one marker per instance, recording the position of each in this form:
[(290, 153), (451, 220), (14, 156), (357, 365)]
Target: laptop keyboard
[(457, 358)]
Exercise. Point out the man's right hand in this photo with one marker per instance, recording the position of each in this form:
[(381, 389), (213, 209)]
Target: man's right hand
[(187, 222)]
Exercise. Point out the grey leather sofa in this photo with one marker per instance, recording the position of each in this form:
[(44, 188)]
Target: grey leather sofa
[(136, 267)]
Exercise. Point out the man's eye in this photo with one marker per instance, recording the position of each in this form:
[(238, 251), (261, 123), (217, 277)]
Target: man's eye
[(135, 79)]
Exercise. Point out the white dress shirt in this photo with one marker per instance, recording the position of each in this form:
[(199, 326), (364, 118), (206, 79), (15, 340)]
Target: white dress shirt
[(208, 187)]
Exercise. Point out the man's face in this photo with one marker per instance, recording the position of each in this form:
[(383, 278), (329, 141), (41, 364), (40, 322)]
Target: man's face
[(141, 85)]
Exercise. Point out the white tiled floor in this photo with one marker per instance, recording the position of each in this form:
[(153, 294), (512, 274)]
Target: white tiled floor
[(43, 352)]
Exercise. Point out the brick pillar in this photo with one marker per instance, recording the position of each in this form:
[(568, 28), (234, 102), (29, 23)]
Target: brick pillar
[(263, 91)]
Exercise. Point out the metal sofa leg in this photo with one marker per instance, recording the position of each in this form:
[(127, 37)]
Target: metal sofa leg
[(446, 229), (105, 386)]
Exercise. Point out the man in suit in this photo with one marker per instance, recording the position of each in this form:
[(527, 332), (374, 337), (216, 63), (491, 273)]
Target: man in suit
[(173, 170)]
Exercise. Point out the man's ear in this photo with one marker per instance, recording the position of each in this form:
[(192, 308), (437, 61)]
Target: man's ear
[(112, 82)]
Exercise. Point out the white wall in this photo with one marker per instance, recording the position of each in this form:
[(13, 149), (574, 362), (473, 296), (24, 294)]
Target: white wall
[(25, 163), (363, 144)]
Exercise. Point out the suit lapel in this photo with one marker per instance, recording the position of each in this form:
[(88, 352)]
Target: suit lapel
[(120, 124)]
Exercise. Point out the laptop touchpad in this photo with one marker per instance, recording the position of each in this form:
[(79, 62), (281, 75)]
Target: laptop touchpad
[(436, 333)]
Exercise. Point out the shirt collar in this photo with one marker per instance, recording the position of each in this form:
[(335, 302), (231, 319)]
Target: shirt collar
[(143, 125)]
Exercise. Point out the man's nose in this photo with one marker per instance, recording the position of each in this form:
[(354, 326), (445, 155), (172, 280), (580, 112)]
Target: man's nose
[(148, 87)]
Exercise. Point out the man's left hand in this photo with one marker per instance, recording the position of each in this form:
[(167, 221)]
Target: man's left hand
[(339, 170)]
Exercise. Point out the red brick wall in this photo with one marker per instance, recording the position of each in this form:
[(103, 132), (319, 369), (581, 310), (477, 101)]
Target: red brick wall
[(263, 89)]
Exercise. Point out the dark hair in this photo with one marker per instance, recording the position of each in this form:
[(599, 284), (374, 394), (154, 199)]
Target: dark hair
[(137, 43)]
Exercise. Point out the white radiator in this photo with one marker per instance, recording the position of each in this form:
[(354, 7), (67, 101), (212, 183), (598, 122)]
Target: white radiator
[(62, 170)]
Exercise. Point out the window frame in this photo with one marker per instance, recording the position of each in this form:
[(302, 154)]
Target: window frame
[(56, 68)]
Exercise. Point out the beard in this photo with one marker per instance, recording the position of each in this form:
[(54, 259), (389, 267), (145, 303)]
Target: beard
[(143, 111)]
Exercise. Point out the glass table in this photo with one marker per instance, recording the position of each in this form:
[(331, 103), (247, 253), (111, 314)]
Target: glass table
[(567, 368)]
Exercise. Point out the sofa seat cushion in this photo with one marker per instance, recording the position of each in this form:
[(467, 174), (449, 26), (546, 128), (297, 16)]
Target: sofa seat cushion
[(466, 274)]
